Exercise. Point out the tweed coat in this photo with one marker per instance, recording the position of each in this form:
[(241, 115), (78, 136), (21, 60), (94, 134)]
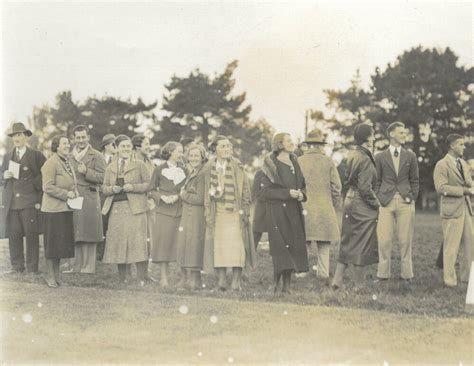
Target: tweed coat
[(88, 221), (323, 190), (243, 197), (135, 173), (29, 184), (285, 222)]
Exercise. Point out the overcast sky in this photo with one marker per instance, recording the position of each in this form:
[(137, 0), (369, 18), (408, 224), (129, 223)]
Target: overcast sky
[(288, 53)]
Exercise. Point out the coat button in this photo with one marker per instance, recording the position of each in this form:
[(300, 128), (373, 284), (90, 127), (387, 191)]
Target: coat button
[(287, 246), (284, 205), (17, 195), (37, 206), (305, 212)]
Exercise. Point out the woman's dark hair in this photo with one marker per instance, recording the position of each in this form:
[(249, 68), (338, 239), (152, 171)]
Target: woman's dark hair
[(213, 145), (137, 141), (55, 142), (168, 149), (362, 132)]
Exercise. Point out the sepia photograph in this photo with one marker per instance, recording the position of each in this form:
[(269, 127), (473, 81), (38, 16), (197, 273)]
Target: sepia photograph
[(237, 182)]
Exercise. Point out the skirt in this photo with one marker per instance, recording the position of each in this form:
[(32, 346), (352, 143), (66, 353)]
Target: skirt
[(126, 239), (229, 246), (164, 236), (58, 235), (191, 239), (359, 244)]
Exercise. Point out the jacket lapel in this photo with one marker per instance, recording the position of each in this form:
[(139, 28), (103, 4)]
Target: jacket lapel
[(403, 158), (388, 158), (453, 166)]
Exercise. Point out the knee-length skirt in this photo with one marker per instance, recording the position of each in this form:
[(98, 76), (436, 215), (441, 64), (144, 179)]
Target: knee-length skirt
[(126, 239), (164, 238), (58, 235), (229, 246)]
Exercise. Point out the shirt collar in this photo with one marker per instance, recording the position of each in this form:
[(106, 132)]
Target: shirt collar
[(21, 151), (454, 159), (223, 166), (392, 149)]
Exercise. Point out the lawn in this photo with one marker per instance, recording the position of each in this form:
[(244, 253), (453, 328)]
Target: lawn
[(96, 318)]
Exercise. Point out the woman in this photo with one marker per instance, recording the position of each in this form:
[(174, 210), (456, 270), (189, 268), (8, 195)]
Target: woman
[(165, 186), (58, 186), (125, 185), (229, 240), (141, 151), (283, 190), (359, 222), (192, 225)]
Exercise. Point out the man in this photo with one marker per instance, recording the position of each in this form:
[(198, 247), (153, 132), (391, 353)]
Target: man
[(397, 190), (109, 150), (21, 200), (89, 168), (452, 179), (323, 189)]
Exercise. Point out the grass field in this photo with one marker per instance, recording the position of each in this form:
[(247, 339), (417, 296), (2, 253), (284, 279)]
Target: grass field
[(97, 319)]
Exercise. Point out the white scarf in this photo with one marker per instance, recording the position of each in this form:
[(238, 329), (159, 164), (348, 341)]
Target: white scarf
[(79, 155)]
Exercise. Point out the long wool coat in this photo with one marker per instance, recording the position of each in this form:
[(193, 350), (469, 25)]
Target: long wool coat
[(243, 196), (88, 221), (285, 223), (191, 238), (359, 244), (323, 189)]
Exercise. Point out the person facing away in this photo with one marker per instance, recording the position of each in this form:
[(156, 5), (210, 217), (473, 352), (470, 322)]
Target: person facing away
[(21, 199), (397, 189), (323, 189), (452, 180)]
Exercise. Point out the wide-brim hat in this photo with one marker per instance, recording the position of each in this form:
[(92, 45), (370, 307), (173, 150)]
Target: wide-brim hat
[(315, 137), (19, 127), (107, 139)]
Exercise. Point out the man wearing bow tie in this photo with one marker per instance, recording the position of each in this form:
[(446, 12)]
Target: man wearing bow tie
[(452, 179), (397, 189)]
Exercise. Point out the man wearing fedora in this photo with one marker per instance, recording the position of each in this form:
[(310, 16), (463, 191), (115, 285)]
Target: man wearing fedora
[(21, 200), (397, 189), (323, 189)]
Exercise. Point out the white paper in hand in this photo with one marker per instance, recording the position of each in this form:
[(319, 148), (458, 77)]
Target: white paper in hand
[(15, 169), (75, 203)]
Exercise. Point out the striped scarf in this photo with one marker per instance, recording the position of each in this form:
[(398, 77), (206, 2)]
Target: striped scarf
[(225, 181)]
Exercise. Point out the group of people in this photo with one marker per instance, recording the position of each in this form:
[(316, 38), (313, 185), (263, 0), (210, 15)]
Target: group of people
[(194, 208)]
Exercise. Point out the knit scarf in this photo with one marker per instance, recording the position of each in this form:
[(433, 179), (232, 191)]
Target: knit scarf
[(223, 185)]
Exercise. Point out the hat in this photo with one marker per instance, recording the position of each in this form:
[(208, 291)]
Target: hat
[(362, 132), (121, 138), (315, 137), (19, 127), (107, 139)]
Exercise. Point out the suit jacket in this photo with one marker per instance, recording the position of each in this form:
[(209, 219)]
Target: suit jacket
[(135, 173), (450, 184), (57, 182), (28, 186), (407, 182)]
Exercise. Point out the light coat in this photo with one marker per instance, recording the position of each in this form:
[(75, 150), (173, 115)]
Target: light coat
[(450, 185), (57, 182), (136, 174), (323, 190)]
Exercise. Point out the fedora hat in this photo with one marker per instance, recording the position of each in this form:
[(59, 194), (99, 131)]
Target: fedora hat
[(107, 139), (19, 127), (315, 137)]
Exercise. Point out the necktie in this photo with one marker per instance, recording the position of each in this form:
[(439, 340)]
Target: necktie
[(460, 168), (122, 166), (395, 153), (18, 157)]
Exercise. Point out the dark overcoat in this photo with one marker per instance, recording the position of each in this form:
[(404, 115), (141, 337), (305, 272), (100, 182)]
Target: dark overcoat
[(284, 217), (31, 164), (259, 217)]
